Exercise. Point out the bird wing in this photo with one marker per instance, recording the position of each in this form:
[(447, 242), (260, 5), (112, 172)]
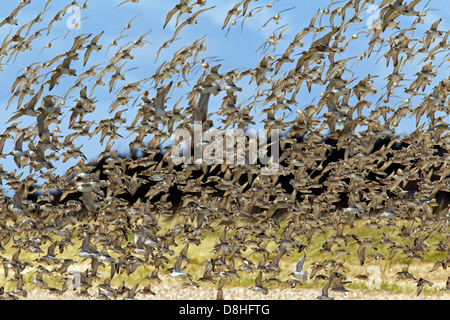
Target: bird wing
[(222, 283), (17, 199), (231, 12), (177, 266), (51, 249), (19, 141), (203, 107), (258, 280), (361, 253), (170, 15), (200, 11), (161, 96), (300, 263)]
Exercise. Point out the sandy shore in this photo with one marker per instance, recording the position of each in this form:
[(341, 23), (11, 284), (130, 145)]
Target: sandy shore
[(163, 292)]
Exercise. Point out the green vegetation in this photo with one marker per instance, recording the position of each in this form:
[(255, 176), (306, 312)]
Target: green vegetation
[(385, 270)]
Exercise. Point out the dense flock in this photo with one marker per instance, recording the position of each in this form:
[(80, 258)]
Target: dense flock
[(334, 187)]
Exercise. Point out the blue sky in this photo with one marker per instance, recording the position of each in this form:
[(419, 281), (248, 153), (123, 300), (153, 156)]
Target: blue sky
[(233, 50)]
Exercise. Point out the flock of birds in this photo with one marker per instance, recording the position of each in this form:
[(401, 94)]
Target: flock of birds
[(350, 166)]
